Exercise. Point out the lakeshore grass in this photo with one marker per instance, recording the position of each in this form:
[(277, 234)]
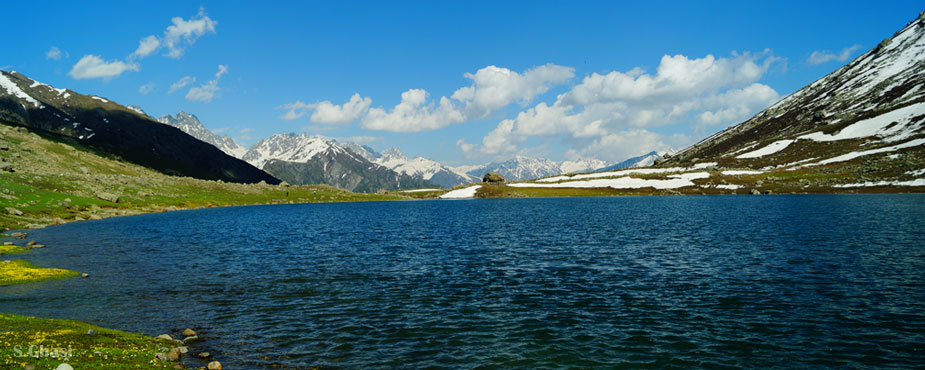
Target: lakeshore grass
[(46, 343), (19, 271)]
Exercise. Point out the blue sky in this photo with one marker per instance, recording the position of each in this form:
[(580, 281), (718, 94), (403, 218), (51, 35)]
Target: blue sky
[(458, 82)]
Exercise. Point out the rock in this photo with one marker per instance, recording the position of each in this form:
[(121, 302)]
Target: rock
[(164, 336), (38, 246), (160, 356), (262, 182), (492, 177), (64, 367), (768, 192), (754, 192), (29, 367), (204, 355), (13, 211), (7, 244), (108, 197), (91, 332), (173, 354), (284, 184), (31, 243), (214, 365), (18, 235), (189, 333), (6, 167), (95, 217), (4, 147), (84, 170), (85, 275), (183, 350), (191, 339)]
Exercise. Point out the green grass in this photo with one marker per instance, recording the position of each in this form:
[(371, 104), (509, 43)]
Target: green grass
[(11, 249), (19, 272), (107, 349)]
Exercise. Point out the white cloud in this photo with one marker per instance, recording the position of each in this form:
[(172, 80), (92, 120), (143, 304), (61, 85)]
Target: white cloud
[(606, 115), (413, 114), (92, 66), (825, 56), (146, 46), (494, 88), (183, 33), (182, 82), (55, 54), (218, 131), (326, 112), (146, 88), (208, 91), (465, 147)]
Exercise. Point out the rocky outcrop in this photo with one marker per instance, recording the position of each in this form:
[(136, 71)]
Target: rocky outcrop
[(492, 177)]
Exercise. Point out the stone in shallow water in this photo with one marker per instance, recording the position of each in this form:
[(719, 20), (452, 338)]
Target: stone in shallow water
[(189, 333)]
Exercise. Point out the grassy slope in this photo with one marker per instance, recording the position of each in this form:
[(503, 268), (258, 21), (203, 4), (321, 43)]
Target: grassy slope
[(107, 349), (56, 181)]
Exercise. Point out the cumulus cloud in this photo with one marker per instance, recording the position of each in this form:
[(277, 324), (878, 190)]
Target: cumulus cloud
[(55, 54), (92, 66), (494, 88), (326, 112), (146, 46), (362, 140), (181, 83), (413, 114), (208, 91), (146, 88), (183, 33), (614, 110), (825, 56)]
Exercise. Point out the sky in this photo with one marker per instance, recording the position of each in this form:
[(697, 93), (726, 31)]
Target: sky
[(460, 82)]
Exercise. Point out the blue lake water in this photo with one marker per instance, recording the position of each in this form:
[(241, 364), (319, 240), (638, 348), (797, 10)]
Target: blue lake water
[(692, 281)]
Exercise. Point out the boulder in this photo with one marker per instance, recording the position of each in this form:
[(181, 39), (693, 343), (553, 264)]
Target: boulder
[(85, 275), (754, 192), (284, 184), (64, 367), (189, 333), (191, 339), (108, 197), (173, 354), (13, 211), (160, 356), (91, 332), (492, 177), (6, 167), (204, 355), (84, 170), (164, 336), (4, 147), (214, 365), (38, 246)]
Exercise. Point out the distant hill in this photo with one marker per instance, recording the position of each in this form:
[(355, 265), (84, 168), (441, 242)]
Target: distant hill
[(110, 128), (304, 159), (190, 124)]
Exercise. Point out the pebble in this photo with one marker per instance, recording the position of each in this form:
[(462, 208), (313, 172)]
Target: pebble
[(215, 365), (91, 332)]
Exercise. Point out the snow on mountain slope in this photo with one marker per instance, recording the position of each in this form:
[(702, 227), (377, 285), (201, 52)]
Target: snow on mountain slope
[(190, 124), (292, 148), (581, 165), (877, 99), (427, 169)]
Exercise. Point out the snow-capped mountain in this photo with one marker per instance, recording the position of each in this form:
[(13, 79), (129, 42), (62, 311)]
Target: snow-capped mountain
[(525, 168), (866, 119), (120, 130), (580, 165), (304, 159), (427, 169), (190, 124), (644, 160)]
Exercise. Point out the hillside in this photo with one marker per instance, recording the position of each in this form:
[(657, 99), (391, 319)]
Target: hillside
[(865, 119), (190, 124), (48, 178), (112, 129)]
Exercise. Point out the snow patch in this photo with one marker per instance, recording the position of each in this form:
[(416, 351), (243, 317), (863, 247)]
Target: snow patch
[(617, 183), (419, 190), (767, 150), (11, 88), (461, 193), (729, 186), (916, 182), (853, 155), (876, 126)]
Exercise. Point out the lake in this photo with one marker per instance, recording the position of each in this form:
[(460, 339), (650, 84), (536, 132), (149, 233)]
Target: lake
[(690, 281)]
